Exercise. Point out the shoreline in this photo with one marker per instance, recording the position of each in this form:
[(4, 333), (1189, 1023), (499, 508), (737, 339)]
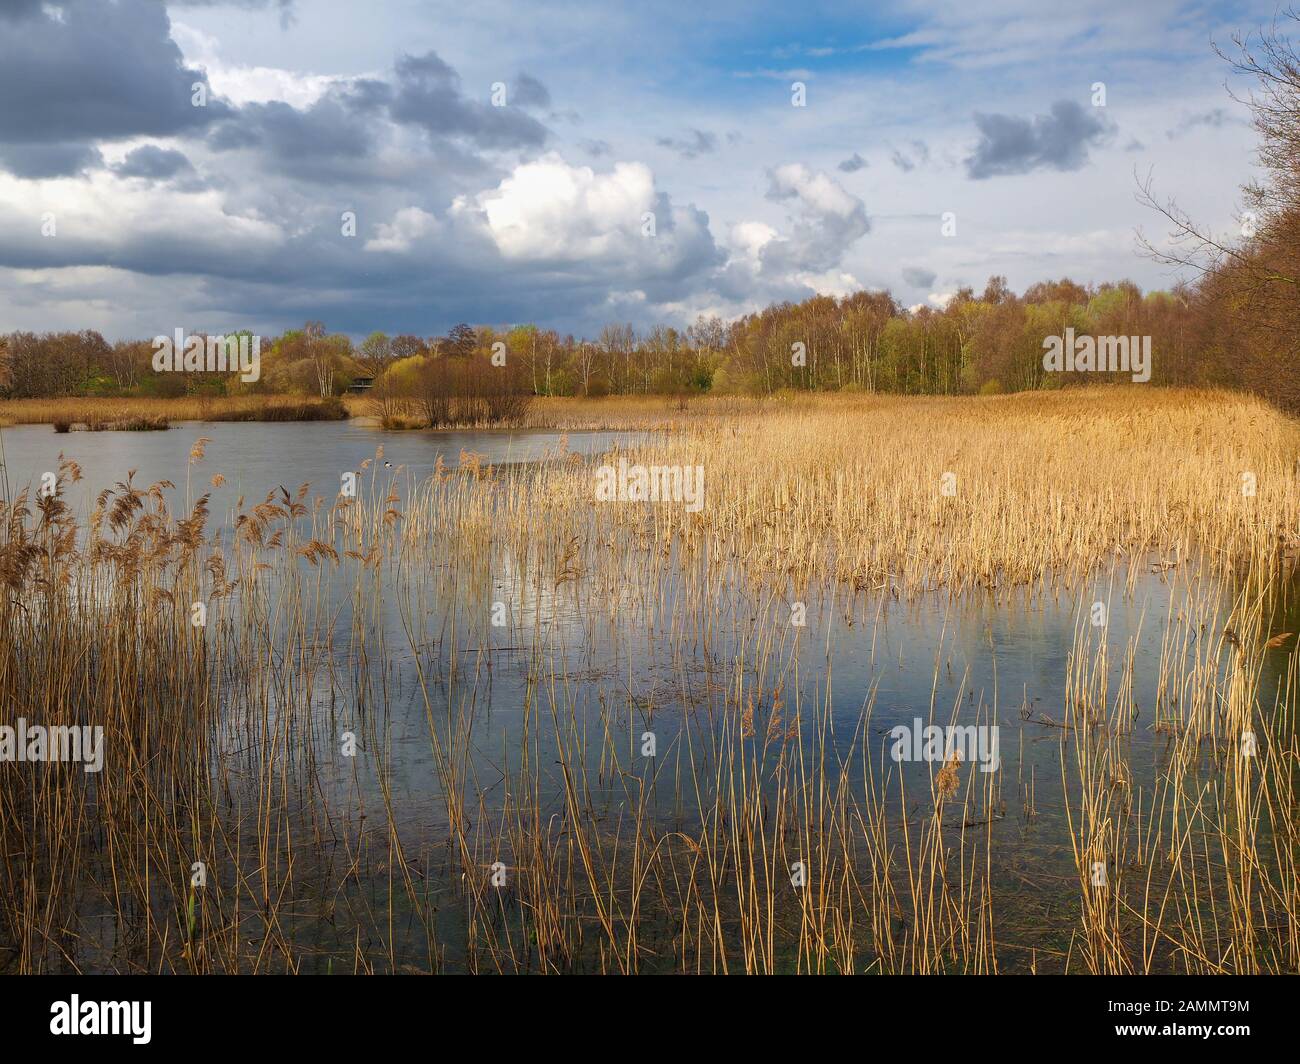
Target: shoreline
[(557, 413)]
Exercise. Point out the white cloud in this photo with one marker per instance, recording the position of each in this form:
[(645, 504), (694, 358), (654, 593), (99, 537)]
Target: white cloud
[(549, 210), (409, 225), (106, 212), (817, 191), (248, 84), (825, 220), (749, 239)]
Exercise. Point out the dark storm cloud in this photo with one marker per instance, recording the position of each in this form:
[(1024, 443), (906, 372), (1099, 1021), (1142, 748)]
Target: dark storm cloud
[(697, 142), (428, 95), (152, 162), (98, 71), (1058, 141), (338, 138), (36, 161), (852, 164)]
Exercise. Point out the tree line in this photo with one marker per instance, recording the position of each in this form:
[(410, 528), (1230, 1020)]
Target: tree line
[(985, 342)]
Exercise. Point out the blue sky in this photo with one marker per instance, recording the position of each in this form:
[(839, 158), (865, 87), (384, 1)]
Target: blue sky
[(228, 216)]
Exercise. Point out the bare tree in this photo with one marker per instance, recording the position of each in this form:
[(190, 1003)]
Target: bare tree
[(1251, 279), (376, 354), (322, 357)]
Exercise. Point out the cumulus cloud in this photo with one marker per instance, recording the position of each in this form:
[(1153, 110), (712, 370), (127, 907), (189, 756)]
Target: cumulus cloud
[(825, 220), (1059, 140), (103, 221), (547, 211), (550, 210), (749, 238), (802, 256), (239, 83)]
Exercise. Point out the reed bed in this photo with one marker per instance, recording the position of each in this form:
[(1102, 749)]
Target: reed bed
[(110, 413), (498, 650)]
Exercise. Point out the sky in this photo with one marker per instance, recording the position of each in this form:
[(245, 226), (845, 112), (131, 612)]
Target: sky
[(405, 165)]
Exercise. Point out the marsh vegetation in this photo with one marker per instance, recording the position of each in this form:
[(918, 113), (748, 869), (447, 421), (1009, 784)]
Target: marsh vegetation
[(470, 720)]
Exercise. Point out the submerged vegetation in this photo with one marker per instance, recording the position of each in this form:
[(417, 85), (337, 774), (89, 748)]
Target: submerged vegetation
[(479, 722)]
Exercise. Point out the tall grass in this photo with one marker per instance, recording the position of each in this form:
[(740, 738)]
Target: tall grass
[(105, 413)]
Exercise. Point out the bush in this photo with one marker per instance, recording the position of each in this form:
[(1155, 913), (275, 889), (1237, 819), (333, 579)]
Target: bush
[(702, 379), (469, 391)]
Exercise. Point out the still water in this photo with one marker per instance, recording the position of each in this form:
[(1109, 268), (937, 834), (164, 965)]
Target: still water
[(257, 457)]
